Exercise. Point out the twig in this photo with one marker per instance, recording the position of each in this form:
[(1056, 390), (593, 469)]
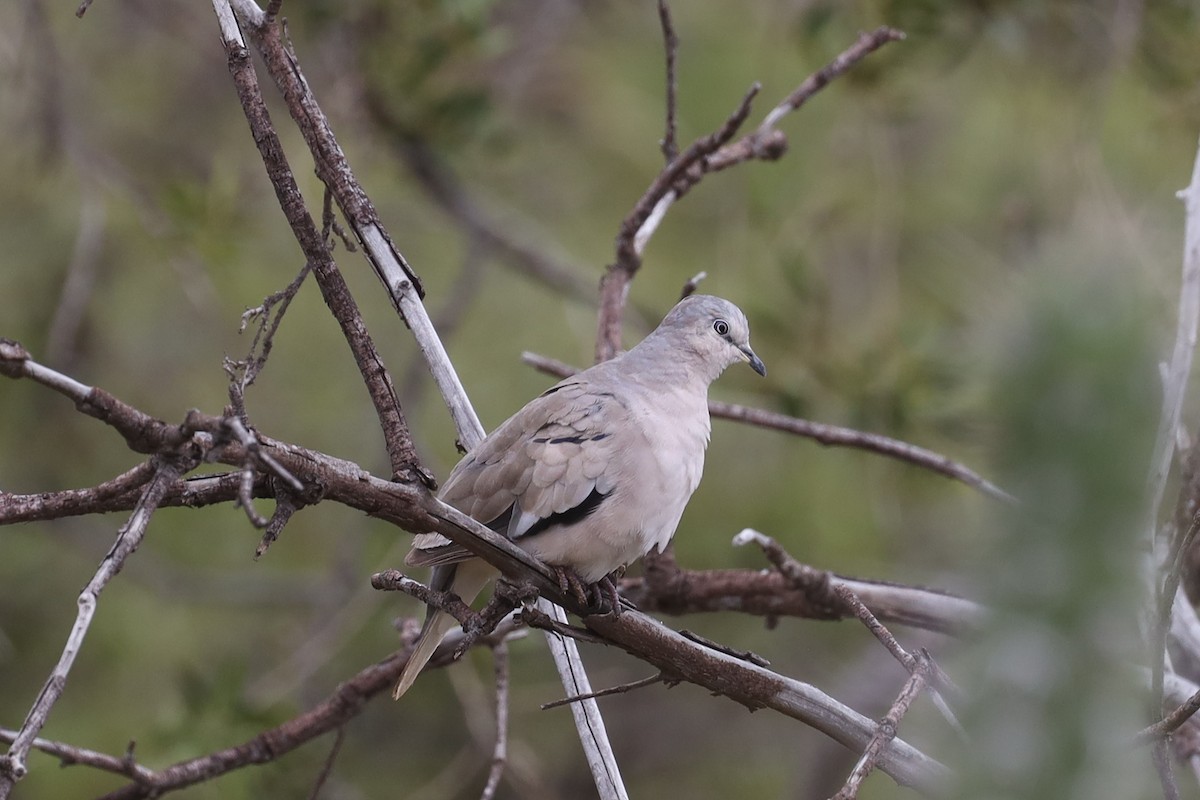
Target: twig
[(500, 752), (392, 580), (877, 628), (631, 240), (121, 494), (1171, 722), (886, 731), (867, 43), (828, 435), (327, 767), (269, 314), (12, 765), (621, 689), (400, 281), (670, 148), (682, 173), (1174, 389), (334, 290), (69, 755), (912, 663), (692, 284)]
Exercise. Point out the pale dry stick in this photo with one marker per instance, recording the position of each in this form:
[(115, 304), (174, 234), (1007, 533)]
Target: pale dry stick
[(130, 535), (828, 435), (403, 287), (398, 278), (1179, 369), (887, 730), (1174, 389), (500, 753)]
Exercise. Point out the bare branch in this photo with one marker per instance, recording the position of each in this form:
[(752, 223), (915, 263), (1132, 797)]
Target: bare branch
[(333, 287), (327, 767), (687, 169), (121, 494), (670, 147), (867, 43), (886, 732), (12, 765), (828, 435), (70, 755), (500, 752), (614, 286), (1171, 722), (692, 284), (346, 702), (621, 689), (1164, 587)]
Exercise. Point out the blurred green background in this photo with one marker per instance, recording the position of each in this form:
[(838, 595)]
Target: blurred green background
[(960, 223)]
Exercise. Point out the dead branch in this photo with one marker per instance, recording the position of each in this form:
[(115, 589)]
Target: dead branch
[(412, 507), (336, 294), (828, 435), (688, 168), (500, 751), (12, 764)]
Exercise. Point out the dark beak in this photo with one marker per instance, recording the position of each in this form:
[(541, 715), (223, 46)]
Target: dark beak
[(753, 360)]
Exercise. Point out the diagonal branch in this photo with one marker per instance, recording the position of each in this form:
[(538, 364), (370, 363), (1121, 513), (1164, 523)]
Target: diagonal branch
[(679, 176), (12, 765), (334, 290)]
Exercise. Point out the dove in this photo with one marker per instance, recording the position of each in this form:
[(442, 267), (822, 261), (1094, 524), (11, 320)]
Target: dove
[(594, 472)]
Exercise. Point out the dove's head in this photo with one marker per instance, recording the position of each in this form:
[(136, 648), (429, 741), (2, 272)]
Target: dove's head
[(712, 330)]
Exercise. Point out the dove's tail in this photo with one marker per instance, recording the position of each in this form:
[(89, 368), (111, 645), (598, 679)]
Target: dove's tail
[(469, 579)]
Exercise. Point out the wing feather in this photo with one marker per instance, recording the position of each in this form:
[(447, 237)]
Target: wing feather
[(550, 463)]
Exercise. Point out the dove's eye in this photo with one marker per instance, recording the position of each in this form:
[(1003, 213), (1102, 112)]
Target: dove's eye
[(721, 327)]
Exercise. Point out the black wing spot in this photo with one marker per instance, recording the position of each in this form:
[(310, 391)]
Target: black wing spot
[(569, 517), (554, 389)]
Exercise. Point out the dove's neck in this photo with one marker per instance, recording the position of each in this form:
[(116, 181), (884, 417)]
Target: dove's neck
[(664, 360)]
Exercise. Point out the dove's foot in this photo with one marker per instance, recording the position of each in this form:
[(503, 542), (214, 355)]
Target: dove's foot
[(598, 598)]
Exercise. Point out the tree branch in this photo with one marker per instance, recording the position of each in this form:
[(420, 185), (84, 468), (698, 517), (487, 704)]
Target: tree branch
[(336, 294), (828, 435), (12, 765), (687, 169)]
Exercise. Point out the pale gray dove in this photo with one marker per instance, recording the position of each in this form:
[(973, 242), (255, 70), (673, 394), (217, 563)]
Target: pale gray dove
[(596, 471)]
